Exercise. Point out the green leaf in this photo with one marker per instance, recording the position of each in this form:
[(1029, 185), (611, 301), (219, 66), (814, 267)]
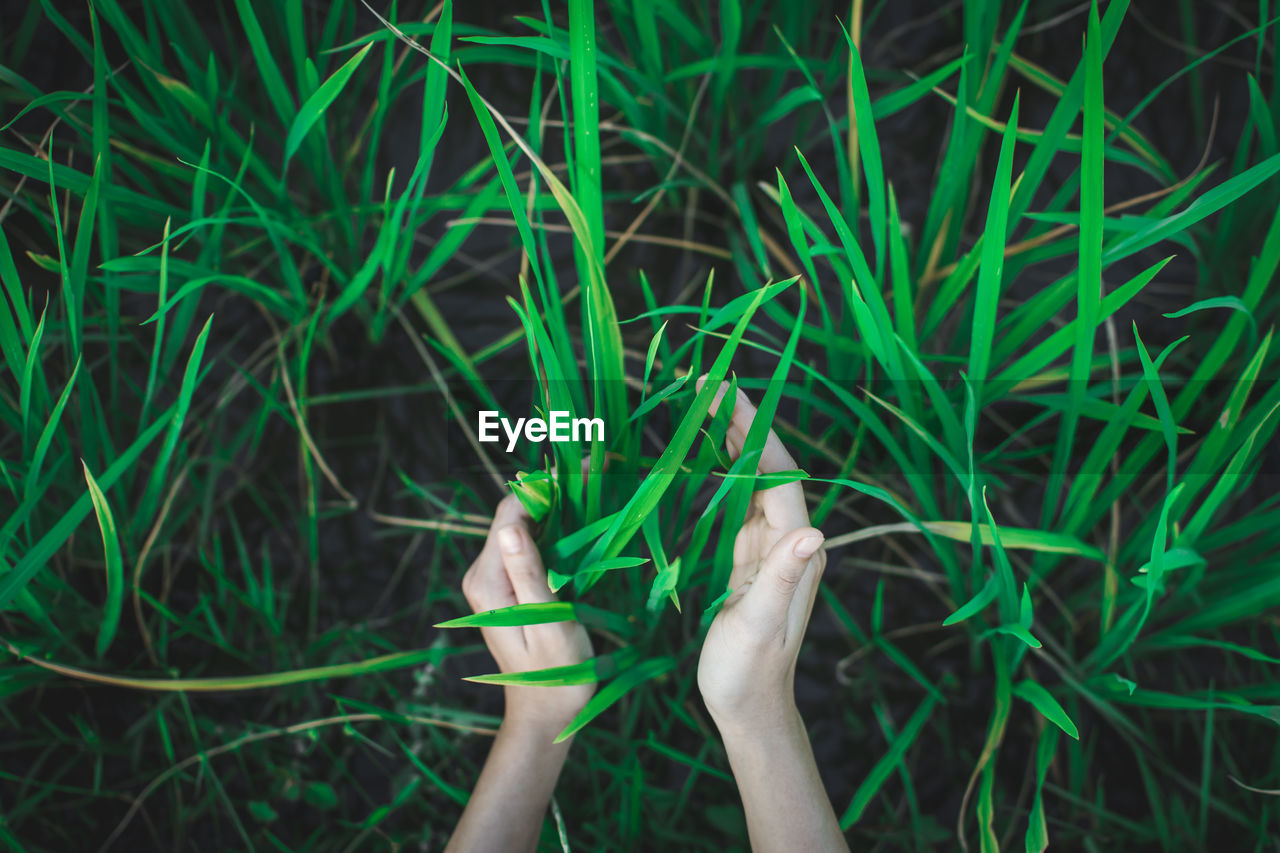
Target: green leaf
[(991, 273), (647, 496), (268, 72), (587, 672), (540, 614), (319, 101), (114, 565), (974, 605), (1020, 538), (1044, 702), (615, 690), (320, 795), (882, 769), (47, 435), (1020, 633), (709, 613), (1235, 303), (262, 812), (536, 492), (1037, 838), (558, 579)]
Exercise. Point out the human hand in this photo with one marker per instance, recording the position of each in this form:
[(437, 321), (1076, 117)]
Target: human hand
[(509, 571), (747, 668)]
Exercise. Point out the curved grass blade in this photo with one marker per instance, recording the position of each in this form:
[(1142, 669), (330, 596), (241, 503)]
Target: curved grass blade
[(882, 769), (1089, 262), (268, 70), (1037, 838), (540, 614), (190, 378), (587, 672), (47, 434), (990, 273), (615, 690), (1042, 700), (314, 107), (384, 663), (114, 564)]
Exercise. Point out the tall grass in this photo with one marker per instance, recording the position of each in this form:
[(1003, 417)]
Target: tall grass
[(1033, 399)]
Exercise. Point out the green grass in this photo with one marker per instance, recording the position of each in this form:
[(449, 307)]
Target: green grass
[(1019, 343)]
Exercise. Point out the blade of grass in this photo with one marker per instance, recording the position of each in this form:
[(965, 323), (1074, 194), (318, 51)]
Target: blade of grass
[(990, 272), (313, 109), (114, 566)]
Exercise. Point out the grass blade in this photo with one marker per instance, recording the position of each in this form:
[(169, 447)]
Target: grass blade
[(114, 566), (314, 107)]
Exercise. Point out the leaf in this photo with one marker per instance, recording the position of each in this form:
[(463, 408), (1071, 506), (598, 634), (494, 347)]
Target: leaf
[(1020, 633), (1088, 257), (558, 579), (868, 146), (1119, 682), (536, 492), (190, 379), (981, 599), (261, 811), (319, 101), (587, 672), (712, 609), (614, 691), (541, 613), (1168, 427), (320, 795), (47, 434), (1037, 838), (259, 681), (114, 565), (1044, 702), (1020, 538), (650, 491), (665, 583), (991, 273), (888, 762), (1235, 303), (14, 582), (1205, 205)]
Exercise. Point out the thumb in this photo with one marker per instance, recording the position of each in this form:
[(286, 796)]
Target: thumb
[(781, 573)]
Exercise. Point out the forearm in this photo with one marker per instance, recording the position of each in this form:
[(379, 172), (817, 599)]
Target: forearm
[(508, 803), (783, 798)]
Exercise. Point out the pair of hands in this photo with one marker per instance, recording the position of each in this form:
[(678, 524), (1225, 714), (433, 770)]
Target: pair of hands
[(747, 667)]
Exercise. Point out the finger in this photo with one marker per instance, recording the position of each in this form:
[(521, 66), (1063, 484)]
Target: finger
[(508, 511), (782, 574), (523, 564), (716, 399), (486, 585), (783, 506)]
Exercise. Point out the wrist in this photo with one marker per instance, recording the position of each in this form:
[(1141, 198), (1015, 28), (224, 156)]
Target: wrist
[(529, 725), (771, 718)]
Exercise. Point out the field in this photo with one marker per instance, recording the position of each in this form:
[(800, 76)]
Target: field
[(1004, 276)]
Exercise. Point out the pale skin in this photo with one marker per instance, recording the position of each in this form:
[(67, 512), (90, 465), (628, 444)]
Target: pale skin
[(746, 673), (506, 808), (747, 669)]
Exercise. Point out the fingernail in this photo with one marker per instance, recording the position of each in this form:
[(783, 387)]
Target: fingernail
[(510, 540), (808, 546)]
